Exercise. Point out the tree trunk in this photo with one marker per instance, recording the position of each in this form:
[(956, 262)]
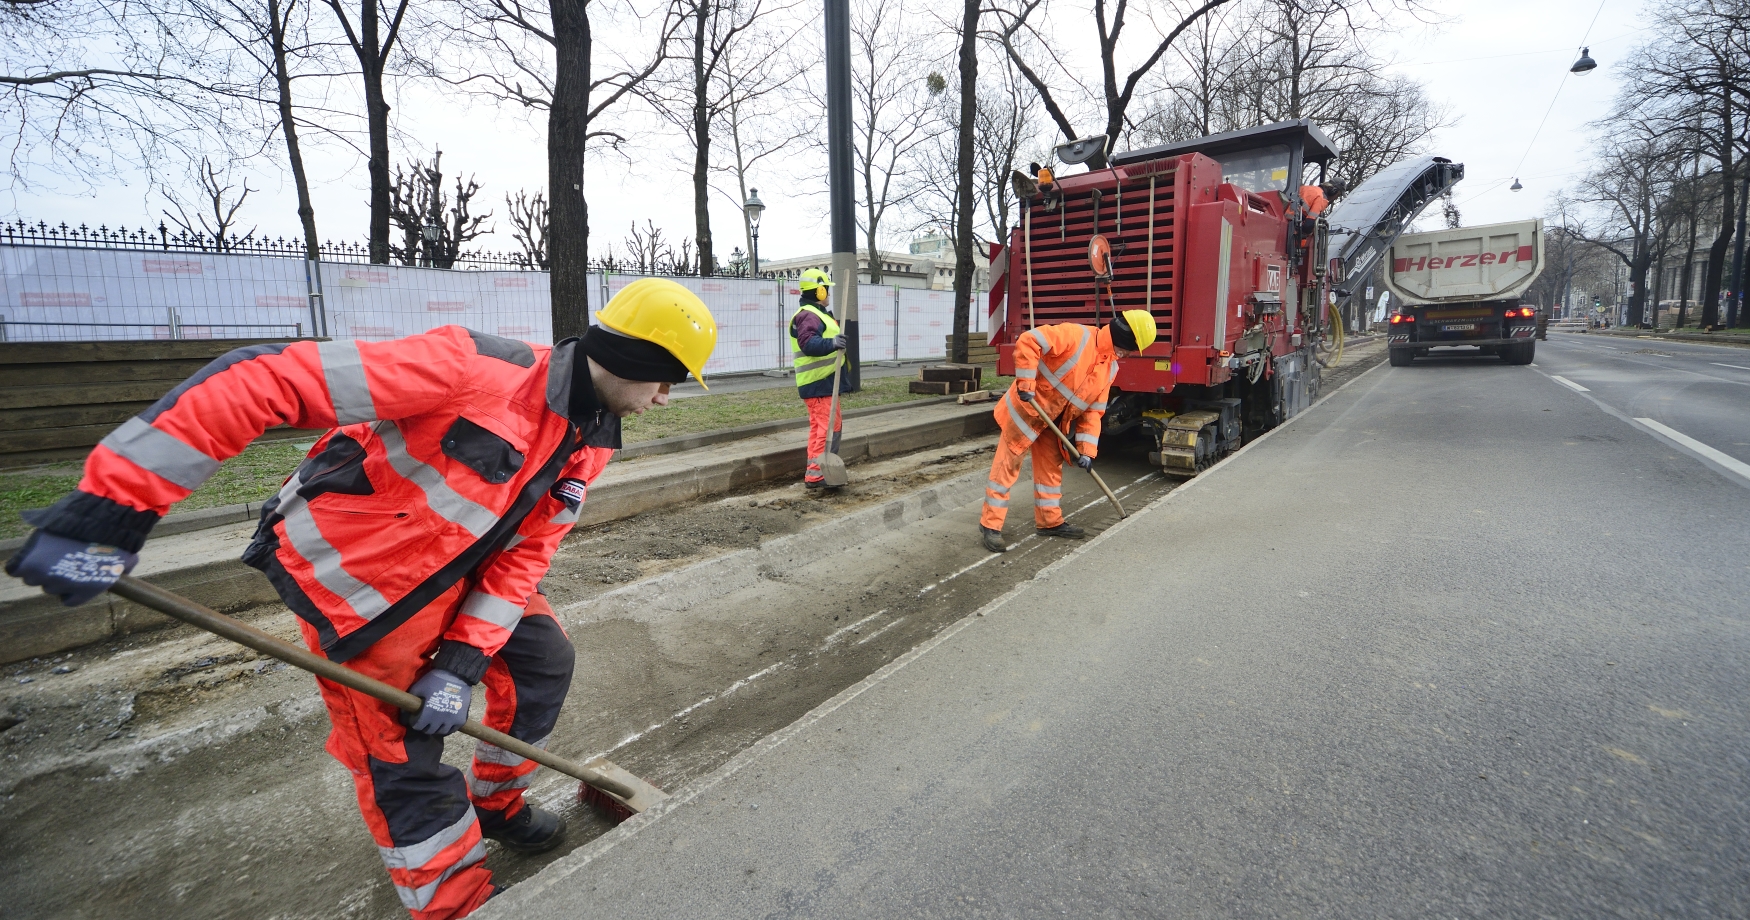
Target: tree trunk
[(1637, 285), (702, 141), (372, 59), (964, 242), (567, 131), (276, 18), (1716, 261)]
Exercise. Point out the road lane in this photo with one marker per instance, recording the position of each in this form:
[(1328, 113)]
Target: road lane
[(1689, 388), (1493, 668)]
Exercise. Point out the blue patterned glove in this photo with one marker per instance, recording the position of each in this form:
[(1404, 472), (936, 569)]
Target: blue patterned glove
[(1085, 462), (447, 698), (73, 570)]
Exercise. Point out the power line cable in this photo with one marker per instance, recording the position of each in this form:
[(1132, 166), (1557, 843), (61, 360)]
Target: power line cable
[(1558, 94)]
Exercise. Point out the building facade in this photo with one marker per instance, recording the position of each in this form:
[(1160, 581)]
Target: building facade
[(929, 265)]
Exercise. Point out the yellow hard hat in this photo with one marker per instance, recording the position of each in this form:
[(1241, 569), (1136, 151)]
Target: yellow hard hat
[(664, 312), (813, 278), (1142, 327)]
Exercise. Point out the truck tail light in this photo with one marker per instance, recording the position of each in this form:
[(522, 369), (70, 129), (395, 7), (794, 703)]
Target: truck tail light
[(1526, 312), (1402, 318)]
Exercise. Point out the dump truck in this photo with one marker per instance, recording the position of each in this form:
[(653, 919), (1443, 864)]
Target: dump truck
[(1213, 238), (1461, 289)]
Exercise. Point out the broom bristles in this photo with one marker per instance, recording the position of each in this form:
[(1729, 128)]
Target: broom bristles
[(610, 808)]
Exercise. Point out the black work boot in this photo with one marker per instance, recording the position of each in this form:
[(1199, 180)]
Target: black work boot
[(1066, 530), (993, 540), (530, 830)]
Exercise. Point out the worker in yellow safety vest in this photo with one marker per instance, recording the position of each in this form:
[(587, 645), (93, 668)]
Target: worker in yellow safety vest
[(817, 350)]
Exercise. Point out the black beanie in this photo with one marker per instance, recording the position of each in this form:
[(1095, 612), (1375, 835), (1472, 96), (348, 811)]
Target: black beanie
[(1122, 337), (632, 359)]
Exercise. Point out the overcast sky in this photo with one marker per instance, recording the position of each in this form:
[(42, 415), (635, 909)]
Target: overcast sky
[(1500, 66)]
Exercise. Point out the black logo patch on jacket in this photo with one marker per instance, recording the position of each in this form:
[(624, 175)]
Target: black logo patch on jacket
[(571, 492)]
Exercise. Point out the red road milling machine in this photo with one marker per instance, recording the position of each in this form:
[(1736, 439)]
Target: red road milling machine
[(1213, 238)]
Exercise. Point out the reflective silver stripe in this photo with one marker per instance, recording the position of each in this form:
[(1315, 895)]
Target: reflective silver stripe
[(1047, 502), (495, 610), (344, 370), (1056, 376), (515, 540), (493, 754), (1048, 490), (1097, 407), (416, 855), (1044, 343), (568, 516), (447, 502), (481, 788), (418, 898), (996, 502), (1025, 373), (1114, 375), (324, 559), (1021, 423), (996, 487), (803, 367), (161, 452), (1086, 438)]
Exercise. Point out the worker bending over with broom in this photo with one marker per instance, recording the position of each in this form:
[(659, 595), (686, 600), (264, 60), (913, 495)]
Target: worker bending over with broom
[(410, 543), (817, 349), (1062, 372)]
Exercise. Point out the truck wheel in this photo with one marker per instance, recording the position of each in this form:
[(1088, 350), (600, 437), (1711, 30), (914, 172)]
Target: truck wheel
[(1401, 357), (1519, 354)]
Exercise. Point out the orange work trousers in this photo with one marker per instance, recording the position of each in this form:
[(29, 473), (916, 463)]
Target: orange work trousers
[(424, 814), (818, 409), (1006, 469)]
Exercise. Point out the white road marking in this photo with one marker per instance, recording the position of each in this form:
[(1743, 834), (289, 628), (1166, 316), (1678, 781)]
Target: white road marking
[(836, 636), (1738, 366), (1534, 364), (878, 632), (1723, 459), (1568, 383)]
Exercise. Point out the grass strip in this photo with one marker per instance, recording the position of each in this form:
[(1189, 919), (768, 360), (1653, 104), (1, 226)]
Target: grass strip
[(258, 471)]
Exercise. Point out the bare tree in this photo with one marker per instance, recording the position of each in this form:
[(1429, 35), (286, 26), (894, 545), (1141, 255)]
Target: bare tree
[(88, 87), (434, 227), (761, 121), (894, 112), (218, 220), (1024, 40), (541, 54), (373, 40), (726, 58), (528, 221)]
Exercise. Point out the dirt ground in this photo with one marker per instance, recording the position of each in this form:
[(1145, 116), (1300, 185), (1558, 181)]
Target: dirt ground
[(177, 775)]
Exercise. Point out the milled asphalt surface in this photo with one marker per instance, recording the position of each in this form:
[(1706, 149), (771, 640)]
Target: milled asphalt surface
[(1457, 643)]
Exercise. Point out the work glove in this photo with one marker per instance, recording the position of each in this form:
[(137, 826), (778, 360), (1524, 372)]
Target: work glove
[(1085, 462), (73, 570), (447, 698), (1026, 395), (838, 342)]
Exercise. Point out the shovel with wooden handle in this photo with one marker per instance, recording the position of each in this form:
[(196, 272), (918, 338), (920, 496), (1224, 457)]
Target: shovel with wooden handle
[(1078, 455), (606, 785), (832, 466)]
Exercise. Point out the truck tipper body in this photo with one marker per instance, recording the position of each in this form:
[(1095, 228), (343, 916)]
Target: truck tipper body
[(1461, 288)]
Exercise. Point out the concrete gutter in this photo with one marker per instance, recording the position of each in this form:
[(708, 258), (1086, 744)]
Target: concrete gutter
[(1708, 338), (196, 554)]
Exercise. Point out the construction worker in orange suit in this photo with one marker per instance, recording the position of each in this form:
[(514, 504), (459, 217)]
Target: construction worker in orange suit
[(1062, 371), (410, 543), (817, 350)]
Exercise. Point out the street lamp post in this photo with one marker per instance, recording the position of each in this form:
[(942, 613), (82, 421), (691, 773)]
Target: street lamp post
[(430, 232), (754, 207)]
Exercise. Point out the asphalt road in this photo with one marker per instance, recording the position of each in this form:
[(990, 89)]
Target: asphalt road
[(1699, 391), (1460, 642)]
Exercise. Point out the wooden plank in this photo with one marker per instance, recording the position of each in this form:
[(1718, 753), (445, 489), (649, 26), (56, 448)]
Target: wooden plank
[(12, 353), (931, 387), (111, 414), (173, 372), (939, 372), (82, 394)]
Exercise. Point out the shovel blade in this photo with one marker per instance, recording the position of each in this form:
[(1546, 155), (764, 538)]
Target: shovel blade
[(832, 469)]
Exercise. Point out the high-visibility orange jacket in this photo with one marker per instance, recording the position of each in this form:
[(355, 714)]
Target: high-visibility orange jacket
[(454, 455), (1069, 368)]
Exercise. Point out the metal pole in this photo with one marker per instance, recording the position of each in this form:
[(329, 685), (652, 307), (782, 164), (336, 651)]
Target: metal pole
[(840, 181)]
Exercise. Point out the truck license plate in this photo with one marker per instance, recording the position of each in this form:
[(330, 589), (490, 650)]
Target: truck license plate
[(1459, 327)]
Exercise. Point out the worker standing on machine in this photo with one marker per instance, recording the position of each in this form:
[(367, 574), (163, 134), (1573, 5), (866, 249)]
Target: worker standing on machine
[(817, 350), (1064, 372), (410, 543)]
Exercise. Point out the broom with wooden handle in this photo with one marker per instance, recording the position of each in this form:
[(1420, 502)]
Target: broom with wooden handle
[(605, 785)]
